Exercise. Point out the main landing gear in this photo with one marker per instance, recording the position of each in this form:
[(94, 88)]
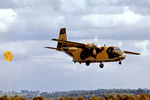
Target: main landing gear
[(120, 62), (87, 63), (101, 65)]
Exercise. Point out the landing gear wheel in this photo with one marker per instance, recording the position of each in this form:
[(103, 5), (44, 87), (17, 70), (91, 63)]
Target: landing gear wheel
[(74, 61), (101, 65), (87, 63), (120, 62)]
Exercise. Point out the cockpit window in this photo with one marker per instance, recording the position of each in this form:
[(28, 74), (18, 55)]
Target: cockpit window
[(117, 50)]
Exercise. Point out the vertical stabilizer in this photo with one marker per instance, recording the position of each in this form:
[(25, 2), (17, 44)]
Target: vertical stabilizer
[(62, 36)]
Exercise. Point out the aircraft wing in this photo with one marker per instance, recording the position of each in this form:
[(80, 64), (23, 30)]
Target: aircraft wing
[(50, 47), (129, 52), (70, 43)]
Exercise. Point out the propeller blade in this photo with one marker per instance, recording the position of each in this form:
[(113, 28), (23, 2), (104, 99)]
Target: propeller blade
[(133, 53)]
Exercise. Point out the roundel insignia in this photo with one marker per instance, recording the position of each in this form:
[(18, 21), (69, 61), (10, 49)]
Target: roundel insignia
[(8, 56), (94, 52)]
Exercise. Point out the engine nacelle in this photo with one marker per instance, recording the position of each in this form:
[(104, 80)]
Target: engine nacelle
[(91, 45)]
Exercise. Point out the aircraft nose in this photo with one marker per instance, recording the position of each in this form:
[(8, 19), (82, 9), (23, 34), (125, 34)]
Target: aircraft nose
[(123, 57), (119, 53)]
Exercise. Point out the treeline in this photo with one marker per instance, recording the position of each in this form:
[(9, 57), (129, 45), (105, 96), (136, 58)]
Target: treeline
[(5, 97), (106, 97), (96, 93), (76, 93)]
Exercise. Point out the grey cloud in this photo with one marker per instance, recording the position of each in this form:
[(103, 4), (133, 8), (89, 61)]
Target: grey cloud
[(41, 19), (138, 6), (7, 4), (142, 10), (136, 3), (101, 2), (17, 4)]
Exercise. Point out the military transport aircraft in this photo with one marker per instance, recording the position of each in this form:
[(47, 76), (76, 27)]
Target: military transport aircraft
[(89, 53)]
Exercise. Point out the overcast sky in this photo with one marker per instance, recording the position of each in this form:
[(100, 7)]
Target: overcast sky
[(26, 26)]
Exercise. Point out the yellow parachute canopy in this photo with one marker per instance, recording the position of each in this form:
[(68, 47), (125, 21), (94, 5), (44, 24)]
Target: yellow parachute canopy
[(8, 56)]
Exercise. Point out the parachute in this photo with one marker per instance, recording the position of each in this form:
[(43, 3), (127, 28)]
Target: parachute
[(8, 56)]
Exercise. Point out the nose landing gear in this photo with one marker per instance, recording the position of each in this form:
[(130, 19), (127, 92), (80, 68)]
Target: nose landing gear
[(101, 65)]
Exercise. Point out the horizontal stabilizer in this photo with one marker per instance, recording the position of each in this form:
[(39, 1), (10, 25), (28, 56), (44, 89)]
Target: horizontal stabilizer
[(133, 53), (50, 47)]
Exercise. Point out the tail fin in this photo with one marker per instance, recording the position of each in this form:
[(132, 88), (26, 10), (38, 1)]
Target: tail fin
[(62, 36)]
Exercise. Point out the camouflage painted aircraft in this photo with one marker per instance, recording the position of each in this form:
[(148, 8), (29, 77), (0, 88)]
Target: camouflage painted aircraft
[(89, 53)]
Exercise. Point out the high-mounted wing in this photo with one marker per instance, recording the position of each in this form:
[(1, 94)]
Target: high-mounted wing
[(50, 47), (133, 53), (69, 43)]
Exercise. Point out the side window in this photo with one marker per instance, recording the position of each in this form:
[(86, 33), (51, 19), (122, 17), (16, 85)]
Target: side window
[(110, 50)]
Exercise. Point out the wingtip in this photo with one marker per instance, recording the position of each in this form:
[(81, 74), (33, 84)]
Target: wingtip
[(133, 53), (53, 39), (138, 53), (50, 47)]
